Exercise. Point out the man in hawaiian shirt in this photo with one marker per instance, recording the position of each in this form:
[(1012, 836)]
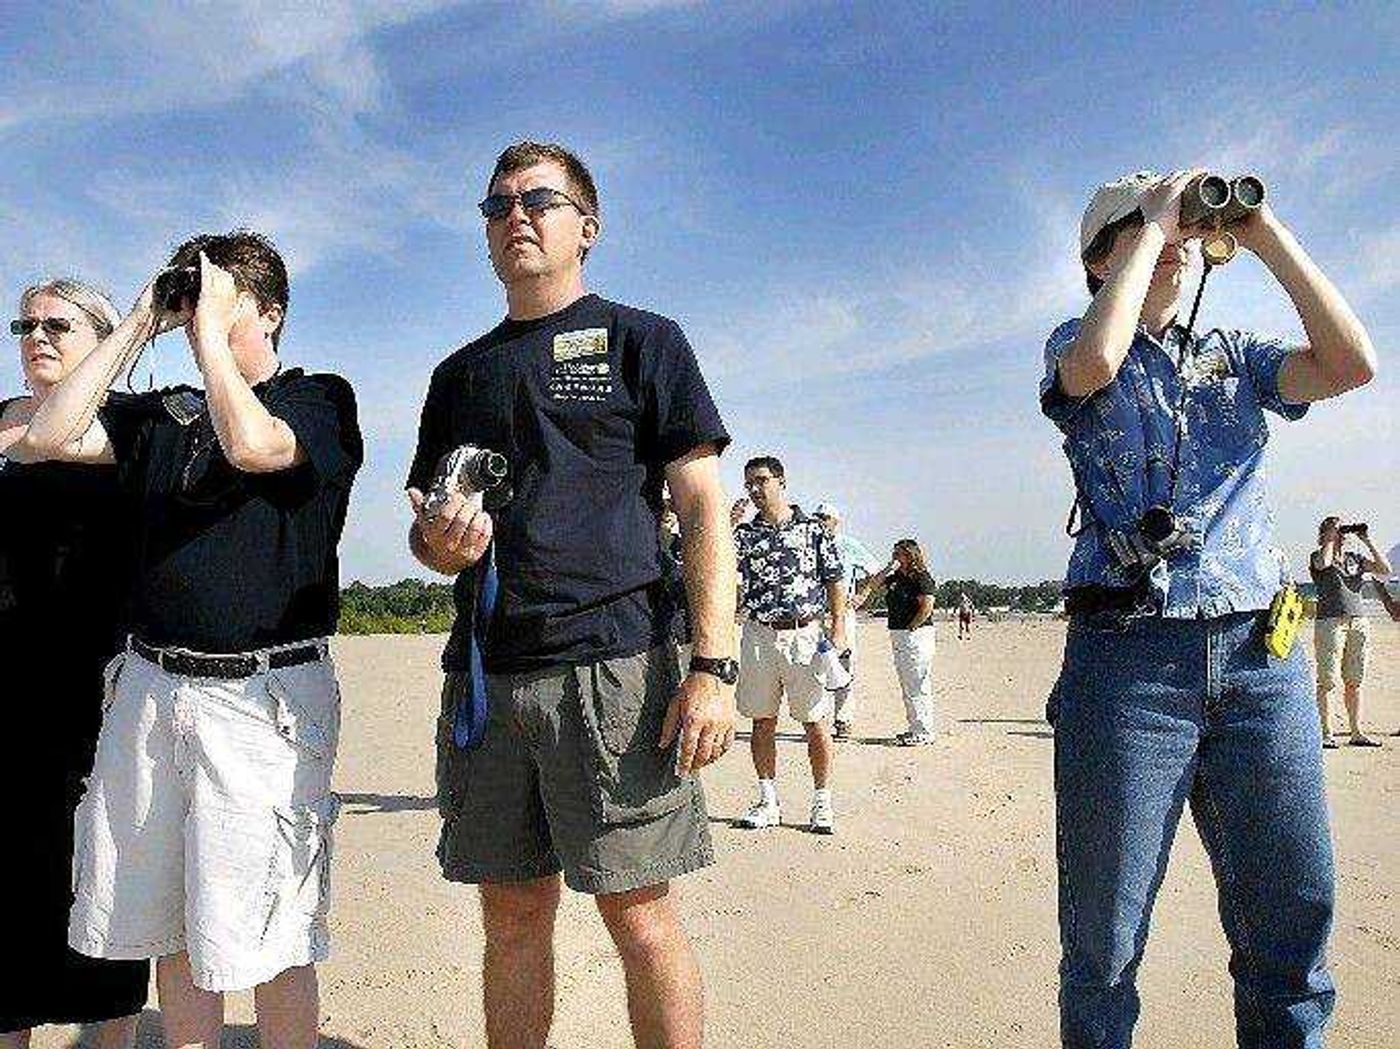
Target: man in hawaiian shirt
[(790, 579), (1167, 692)]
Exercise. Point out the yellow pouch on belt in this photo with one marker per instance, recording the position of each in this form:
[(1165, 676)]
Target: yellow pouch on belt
[(1285, 618)]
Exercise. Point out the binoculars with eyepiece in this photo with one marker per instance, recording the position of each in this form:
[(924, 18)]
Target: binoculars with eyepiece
[(1213, 202), (176, 288)]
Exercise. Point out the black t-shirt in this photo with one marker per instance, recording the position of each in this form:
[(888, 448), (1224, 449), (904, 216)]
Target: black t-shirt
[(229, 561), (588, 405), (902, 596)]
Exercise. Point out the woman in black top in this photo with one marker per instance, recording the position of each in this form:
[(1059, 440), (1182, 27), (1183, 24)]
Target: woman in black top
[(63, 561), (909, 597)]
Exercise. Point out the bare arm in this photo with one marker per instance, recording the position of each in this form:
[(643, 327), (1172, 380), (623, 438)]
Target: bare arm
[(65, 425), (707, 551), (923, 613), (1339, 355), (1106, 334), (836, 601), (702, 712), (1377, 563), (252, 438)]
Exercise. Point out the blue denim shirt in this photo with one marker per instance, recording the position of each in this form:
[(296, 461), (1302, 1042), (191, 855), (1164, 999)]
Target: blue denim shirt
[(1119, 444)]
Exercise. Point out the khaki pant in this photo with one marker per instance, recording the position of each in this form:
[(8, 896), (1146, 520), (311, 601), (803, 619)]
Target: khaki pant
[(1342, 643)]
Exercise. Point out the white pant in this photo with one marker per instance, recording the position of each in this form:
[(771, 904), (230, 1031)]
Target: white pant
[(844, 696), (913, 662)]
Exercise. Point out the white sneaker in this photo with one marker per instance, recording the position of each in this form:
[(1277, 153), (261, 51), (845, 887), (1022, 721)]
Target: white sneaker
[(763, 814), (823, 819)]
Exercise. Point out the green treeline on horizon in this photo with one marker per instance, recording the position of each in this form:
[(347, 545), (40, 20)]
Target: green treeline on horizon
[(415, 606)]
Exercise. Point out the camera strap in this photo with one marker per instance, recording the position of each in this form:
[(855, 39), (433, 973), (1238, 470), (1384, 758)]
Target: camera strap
[(1179, 412)]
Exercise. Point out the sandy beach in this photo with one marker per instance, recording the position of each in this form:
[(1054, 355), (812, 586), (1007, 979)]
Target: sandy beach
[(928, 920)]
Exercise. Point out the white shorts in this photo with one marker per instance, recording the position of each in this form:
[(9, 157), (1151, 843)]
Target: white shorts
[(777, 663), (206, 825)]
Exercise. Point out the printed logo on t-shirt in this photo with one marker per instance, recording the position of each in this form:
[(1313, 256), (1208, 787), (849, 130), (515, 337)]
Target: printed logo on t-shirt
[(581, 369)]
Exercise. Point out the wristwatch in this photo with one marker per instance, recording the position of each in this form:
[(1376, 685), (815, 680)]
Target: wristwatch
[(727, 670)]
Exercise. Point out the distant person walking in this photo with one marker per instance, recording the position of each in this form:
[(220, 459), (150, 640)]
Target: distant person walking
[(859, 564), (790, 577), (965, 611), (909, 598), (1340, 631)]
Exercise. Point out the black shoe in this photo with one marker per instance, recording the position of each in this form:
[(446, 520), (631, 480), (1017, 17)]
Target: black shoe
[(841, 730)]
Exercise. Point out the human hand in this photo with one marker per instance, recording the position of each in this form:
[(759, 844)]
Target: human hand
[(702, 712), (738, 511), (219, 306), (160, 320), (1162, 205), (457, 532)]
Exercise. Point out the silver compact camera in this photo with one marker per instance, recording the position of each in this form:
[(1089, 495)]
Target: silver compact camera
[(466, 469)]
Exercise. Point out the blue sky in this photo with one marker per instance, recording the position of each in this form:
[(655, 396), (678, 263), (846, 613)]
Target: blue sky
[(864, 215)]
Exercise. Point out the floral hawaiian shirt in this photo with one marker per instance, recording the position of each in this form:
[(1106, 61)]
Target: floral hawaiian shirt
[(1120, 443), (784, 569)]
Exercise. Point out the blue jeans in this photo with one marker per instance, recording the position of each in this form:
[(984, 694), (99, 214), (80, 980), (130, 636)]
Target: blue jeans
[(1148, 714)]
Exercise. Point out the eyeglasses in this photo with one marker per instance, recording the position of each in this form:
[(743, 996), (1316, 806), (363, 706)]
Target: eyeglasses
[(53, 326), (758, 480), (534, 202)]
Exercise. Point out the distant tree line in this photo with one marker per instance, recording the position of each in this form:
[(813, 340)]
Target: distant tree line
[(410, 606)]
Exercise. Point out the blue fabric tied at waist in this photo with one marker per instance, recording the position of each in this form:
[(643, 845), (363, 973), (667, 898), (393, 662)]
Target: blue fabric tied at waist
[(469, 719)]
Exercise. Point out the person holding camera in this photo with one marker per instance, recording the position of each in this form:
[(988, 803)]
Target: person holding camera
[(909, 603), (63, 551), (204, 837), (590, 734), (1167, 692), (1341, 633), (859, 564)]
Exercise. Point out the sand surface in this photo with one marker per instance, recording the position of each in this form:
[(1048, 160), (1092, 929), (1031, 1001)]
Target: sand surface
[(928, 920)]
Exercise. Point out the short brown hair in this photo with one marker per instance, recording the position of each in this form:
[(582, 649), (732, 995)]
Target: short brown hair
[(251, 259), (526, 154), (1102, 244)]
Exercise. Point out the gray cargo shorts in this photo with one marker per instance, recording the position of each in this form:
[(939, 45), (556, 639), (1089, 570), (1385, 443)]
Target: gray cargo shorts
[(569, 778)]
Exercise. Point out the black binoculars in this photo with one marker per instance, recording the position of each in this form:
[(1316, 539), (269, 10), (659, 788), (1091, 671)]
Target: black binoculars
[(176, 288), (1213, 202)]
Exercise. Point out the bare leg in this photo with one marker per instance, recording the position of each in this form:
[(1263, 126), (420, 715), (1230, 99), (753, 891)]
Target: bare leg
[(14, 1040), (288, 1008), (764, 745), (1351, 697), (665, 994), (193, 1017), (518, 972), (1324, 703), (819, 750), (118, 1033)]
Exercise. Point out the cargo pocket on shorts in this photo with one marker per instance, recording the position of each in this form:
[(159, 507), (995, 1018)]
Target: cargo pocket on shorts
[(624, 702), (296, 723), (298, 884)]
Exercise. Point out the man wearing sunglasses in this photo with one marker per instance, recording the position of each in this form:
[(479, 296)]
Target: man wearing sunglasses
[(583, 758)]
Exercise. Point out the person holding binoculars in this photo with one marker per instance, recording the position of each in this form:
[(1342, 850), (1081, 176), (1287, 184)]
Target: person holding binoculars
[(204, 837), (1167, 693), (1341, 631)]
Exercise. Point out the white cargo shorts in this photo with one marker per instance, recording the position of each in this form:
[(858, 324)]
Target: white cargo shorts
[(206, 824)]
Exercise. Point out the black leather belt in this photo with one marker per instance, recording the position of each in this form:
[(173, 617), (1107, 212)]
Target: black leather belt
[(789, 623), (233, 665)]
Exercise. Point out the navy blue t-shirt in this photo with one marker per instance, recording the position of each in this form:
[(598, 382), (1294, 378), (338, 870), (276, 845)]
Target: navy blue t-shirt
[(588, 405)]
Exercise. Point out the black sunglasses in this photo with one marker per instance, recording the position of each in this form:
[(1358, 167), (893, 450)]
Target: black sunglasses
[(534, 201), (53, 326)]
